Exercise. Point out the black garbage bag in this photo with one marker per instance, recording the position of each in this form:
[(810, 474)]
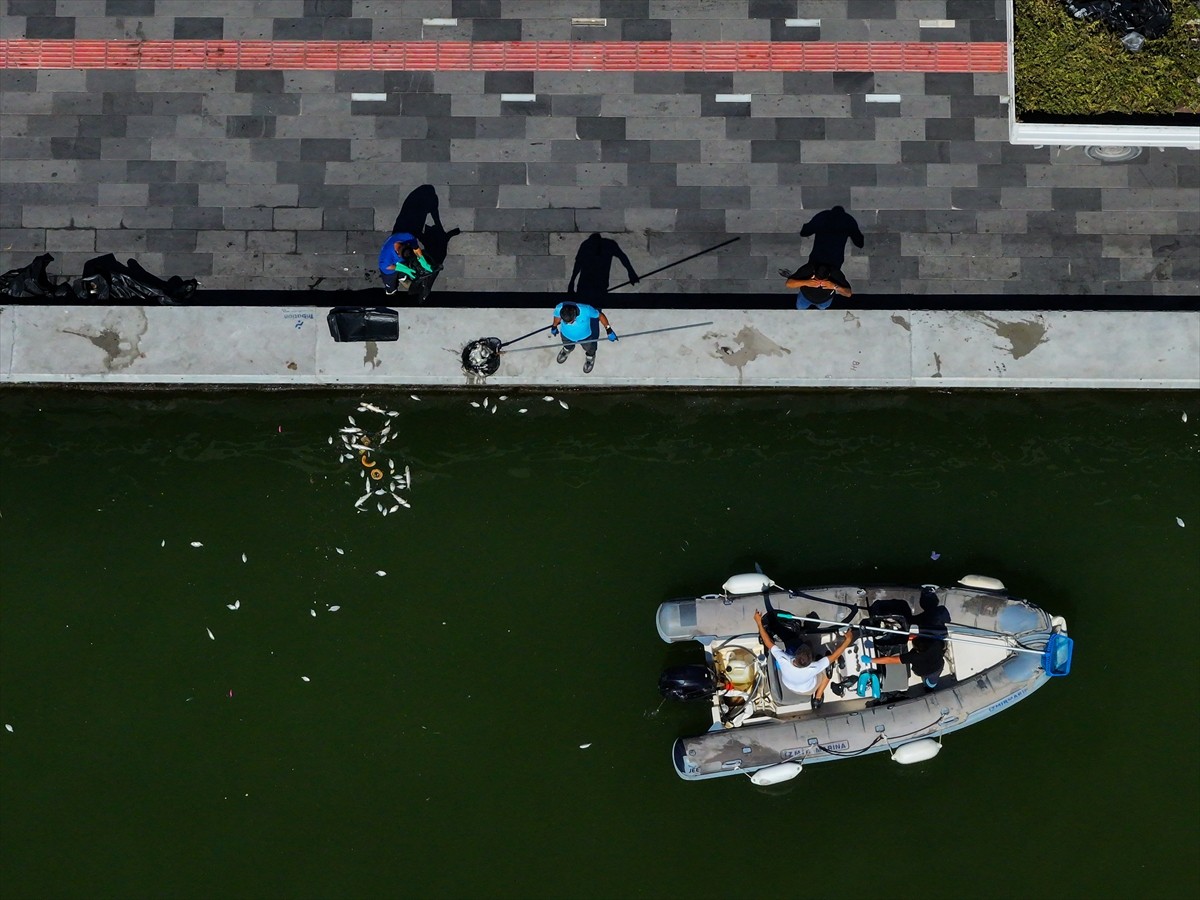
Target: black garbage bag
[(361, 323), (1149, 18), (105, 279), (31, 282)]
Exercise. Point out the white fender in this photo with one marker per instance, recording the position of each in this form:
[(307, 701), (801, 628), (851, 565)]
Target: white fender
[(777, 774), (748, 583), (982, 582), (917, 751)]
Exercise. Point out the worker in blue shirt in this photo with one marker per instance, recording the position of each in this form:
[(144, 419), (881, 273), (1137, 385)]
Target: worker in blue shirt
[(580, 322), (401, 260)]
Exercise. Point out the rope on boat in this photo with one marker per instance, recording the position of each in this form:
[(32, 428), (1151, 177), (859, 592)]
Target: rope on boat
[(878, 738)]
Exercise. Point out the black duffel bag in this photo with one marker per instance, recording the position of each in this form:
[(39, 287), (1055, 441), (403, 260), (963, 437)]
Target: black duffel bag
[(362, 323)]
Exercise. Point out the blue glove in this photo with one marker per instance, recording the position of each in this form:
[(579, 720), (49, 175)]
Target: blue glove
[(553, 331), (612, 335), (864, 661)]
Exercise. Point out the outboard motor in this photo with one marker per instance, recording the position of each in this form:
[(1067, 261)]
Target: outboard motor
[(687, 683)]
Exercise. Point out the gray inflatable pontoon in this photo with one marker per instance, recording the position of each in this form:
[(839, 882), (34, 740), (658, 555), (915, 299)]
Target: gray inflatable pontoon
[(998, 649)]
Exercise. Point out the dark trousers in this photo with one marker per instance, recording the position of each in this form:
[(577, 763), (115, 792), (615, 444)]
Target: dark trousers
[(589, 345)]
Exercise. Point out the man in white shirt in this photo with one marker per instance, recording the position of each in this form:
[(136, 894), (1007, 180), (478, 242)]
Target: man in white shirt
[(799, 672)]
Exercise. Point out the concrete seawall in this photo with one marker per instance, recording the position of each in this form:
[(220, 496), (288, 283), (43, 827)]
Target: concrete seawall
[(844, 348)]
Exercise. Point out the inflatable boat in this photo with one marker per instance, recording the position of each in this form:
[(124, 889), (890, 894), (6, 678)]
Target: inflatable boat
[(995, 650)]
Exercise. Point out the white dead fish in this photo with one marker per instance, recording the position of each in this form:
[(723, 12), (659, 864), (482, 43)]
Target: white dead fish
[(1179, 522), (407, 476), (350, 430), (313, 613), (485, 402), (494, 408), (210, 634), (404, 503), (547, 397), (163, 544), (305, 678), (340, 551), (381, 573), (351, 420), (414, 397), (379, 507), (380, 492), (361, 447), (503, 397), (383, 512), (374, 409), (474, 404), (1185, 417), (522, 411), (563, 404), (334, 608), (359, 502), (584, 746), (8, 728), (391, 465), (243, 557), (197, 544), (331, 440), (394, 509), (234, 605)]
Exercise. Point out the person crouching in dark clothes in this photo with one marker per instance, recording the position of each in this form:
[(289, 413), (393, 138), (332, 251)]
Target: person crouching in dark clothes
[(924, 657), (401, 262)]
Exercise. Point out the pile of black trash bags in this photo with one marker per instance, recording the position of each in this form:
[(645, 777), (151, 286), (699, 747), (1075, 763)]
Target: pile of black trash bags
[(1135, 20), (104, 280)]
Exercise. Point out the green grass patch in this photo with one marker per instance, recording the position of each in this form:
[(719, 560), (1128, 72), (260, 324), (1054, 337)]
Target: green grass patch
[(1069, 67)]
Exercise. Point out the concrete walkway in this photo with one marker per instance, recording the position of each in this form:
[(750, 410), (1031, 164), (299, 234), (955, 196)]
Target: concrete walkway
[(274, 179), (843, 348)]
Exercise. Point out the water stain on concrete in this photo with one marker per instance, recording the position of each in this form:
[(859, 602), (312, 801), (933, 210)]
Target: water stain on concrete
[(752, 344), (1023, 336), (902, 322), (119, 341), (371, 354)]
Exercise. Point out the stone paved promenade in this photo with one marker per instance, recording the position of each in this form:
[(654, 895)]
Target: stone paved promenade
[(270, 179)]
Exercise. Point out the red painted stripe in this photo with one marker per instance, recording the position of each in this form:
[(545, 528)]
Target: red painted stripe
[(487, 56)]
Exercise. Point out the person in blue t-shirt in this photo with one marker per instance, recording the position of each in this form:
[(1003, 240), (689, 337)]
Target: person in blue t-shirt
[(580, 323), (401, 258)]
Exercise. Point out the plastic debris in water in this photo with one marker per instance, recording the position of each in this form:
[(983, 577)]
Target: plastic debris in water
[(1179, 522), (210, 634), (381, 573), (197, 544), (305, 678), (563, 404), (935, 555), (584, 746)]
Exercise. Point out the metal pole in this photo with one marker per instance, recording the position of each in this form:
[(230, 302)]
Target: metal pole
[(961, 640), (621, 337)]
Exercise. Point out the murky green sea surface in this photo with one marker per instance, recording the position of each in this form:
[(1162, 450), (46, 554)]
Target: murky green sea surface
[(435, 748)]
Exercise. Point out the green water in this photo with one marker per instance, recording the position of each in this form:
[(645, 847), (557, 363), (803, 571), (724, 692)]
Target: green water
[(435, 750)]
